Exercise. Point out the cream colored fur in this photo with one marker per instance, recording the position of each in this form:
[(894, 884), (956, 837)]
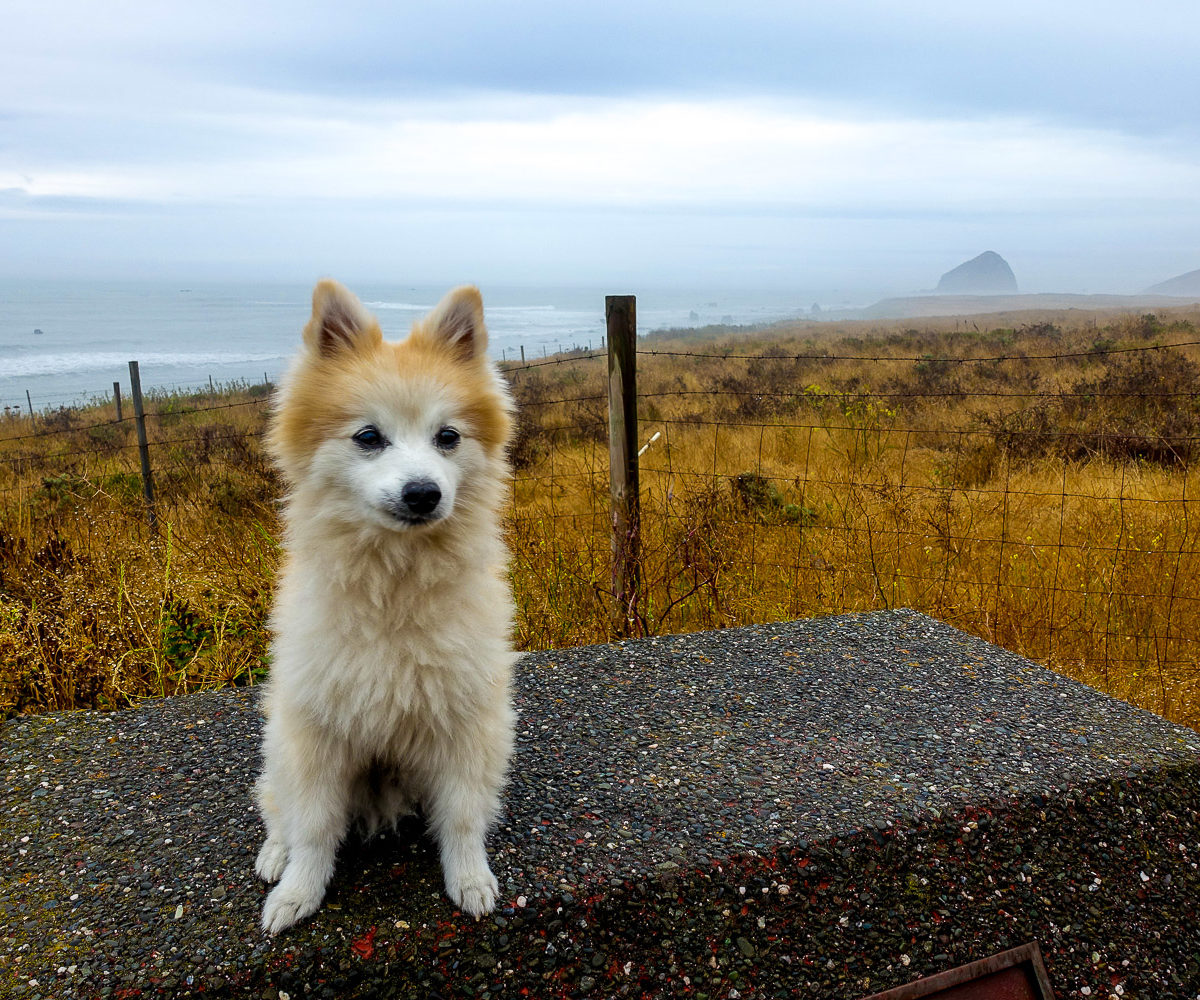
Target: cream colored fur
[(390, 682)]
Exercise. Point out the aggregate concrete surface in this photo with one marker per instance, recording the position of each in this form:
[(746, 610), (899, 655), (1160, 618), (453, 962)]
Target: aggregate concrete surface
[(822, 808)]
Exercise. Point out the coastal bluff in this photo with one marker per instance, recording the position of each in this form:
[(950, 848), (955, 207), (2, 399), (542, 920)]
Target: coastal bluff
[(822, 808)]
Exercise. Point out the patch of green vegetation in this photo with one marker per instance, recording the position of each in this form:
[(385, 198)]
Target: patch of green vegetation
[(757, 494)]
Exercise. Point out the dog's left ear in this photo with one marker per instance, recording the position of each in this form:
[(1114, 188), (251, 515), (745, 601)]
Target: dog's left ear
[(457, 322)]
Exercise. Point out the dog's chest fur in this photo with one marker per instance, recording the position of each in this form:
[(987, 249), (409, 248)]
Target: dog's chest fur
[(391, 642)]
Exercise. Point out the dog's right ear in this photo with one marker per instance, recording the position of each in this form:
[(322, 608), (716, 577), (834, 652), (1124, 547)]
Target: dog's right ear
[(339, 322)]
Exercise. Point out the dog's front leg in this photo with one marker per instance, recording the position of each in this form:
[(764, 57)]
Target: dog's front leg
[(461, 811), (312, 801)]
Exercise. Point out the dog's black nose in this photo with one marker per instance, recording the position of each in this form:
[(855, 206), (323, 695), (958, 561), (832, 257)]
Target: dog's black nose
[(421, 496)]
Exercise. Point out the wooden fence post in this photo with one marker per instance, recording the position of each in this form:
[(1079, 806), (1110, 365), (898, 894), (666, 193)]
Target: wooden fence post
[(139, 413), (620, 313), (29, 400), (117, 399)]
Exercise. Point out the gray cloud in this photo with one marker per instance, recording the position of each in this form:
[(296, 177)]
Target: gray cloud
[(223, 136), (1112, 65), (1091, 62)]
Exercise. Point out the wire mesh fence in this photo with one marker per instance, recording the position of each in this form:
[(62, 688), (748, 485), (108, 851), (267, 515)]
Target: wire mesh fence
[(1029, 487), (1041, 499)]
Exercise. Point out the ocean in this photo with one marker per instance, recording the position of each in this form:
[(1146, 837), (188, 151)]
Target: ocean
[(67, 342)]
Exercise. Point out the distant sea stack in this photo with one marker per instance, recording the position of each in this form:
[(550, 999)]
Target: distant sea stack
[(1181, 284), (987, 274)]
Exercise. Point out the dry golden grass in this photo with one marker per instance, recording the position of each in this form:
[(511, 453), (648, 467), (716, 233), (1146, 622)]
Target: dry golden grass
[(1043, 503), (97, 611)]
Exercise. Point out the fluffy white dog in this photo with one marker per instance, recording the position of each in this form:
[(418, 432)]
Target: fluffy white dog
[(391, 672)]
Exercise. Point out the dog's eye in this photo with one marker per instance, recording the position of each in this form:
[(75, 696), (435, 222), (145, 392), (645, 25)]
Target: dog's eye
[(447, 438), (369, 438)]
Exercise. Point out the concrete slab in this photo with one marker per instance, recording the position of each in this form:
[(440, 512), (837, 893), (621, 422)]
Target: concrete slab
[(823, 808)]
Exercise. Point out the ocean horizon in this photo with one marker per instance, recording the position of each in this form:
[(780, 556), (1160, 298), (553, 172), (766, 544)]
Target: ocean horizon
[(66, 342)]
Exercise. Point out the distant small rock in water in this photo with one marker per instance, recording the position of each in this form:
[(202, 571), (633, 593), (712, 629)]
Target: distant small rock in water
[(37, 332), (987, 274)]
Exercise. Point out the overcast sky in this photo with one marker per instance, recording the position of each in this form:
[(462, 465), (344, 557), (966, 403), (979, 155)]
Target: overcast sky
[(861, 146)]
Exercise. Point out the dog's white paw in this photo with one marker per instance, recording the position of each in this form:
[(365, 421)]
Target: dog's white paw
[(474, 892), (272, 860), (287, 905)]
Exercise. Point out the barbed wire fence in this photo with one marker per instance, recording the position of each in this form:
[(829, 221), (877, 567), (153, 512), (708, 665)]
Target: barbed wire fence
[(1059, 521)]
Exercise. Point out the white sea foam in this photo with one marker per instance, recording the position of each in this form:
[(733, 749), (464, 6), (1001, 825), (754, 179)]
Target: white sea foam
[(405, 306), (70, 363), (424, 308)]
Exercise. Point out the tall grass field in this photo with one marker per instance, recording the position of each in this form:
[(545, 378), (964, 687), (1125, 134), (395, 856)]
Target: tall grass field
[(1028, 483)]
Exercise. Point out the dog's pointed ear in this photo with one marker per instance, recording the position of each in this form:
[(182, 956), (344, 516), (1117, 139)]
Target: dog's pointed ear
[(457, 322), (339, 322)]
